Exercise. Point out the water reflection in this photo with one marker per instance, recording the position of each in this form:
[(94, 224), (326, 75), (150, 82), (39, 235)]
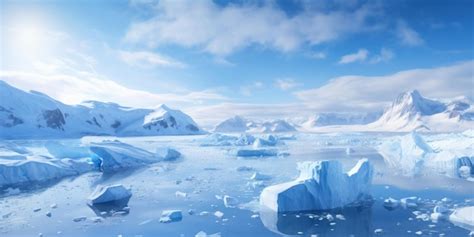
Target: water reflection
[(357, 222), (114, 208)]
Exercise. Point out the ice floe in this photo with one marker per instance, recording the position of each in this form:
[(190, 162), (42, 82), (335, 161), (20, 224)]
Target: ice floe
[(463, 217), (168, 216), (115, 155), (321, 185), (105, 194)]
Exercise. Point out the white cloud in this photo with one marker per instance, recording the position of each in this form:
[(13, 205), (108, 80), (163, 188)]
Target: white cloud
[(384, 56), (286, 84), (222, 30), (359, 56), (407, 35), (349, 93), (148, 59)]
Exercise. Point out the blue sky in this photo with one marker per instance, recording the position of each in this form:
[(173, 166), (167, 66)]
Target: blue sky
[(254, 58)]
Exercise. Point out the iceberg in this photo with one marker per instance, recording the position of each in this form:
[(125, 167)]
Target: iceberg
[(115, 155), (167, 154), (445, 154), (463, 217), (59, 150), (21, 169), (112, 193), (322, 185)]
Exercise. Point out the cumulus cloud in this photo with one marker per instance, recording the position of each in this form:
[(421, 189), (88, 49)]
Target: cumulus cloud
[(407, 35), (359, 56), (286, 83), (147, 59), (222, 30), (348, 93)]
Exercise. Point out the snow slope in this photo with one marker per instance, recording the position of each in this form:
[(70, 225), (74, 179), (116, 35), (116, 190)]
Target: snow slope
[(35, 115)]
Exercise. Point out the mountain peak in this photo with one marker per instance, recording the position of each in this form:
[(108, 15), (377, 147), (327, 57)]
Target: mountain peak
[(413, 102)]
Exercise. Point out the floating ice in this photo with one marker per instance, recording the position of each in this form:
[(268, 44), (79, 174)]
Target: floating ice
[(168, 216), (259, 176), (218, 214), (391, 203), (409, 202), (463, 217), (230, 201), (204, 234), (115, 155), (181, 194), (269, 140), (105, 194), (322, 185), (167, 154), (256, 152), (79, 219), (444, 154), (59, 150), (32, 168)]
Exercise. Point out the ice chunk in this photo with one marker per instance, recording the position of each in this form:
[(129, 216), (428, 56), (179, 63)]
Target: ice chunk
[(115, 155), (321, 185), (270, 140), (181, 194), (218, 214), (168, 216), (230, 201), (463, 217), (259, 176), (256, 152), (105, 194), (244, 140), (204, 234), (391, 203), (167, 154), (409, 202)]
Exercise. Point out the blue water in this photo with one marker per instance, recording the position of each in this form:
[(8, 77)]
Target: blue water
[(205, 172)]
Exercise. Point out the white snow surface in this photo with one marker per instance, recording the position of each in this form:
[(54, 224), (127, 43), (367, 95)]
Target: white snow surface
[(322, 185)]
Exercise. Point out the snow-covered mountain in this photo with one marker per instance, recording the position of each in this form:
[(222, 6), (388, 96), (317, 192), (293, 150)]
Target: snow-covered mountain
[(33, 114), (328, 119), (411, 111), (238, 124)]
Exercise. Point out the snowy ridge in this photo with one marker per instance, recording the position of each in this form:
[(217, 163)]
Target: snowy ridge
[(35, 115), (239, 124)]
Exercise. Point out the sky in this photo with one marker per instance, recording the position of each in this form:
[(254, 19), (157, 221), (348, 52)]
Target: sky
[(258, 59)]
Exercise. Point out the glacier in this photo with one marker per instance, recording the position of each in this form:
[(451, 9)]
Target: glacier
[(445, 154), (322, 185)]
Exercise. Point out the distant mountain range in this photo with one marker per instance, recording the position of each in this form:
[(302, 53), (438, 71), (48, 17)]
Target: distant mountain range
[(36, 115)]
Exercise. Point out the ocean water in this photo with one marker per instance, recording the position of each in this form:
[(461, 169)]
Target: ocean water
[(206, 173)]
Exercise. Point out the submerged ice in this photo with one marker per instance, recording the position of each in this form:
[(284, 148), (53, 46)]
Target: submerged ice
[(322, 185)]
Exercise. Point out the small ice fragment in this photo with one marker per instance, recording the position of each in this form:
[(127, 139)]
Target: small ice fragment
[(419, 232), (254, 216), (230, 201), (40, 235), (441, 209), (168, 216), (423, 217), (259, 176), (204, 234), (329, 217), (218, 214), (340, 217), (79, 219), (104, 194), (204, 213), (218, 197), (181, 194), (191, 212), (54, 206), (378, 231), (391, 203), (446, 200), (48, 214), (409, 202)]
